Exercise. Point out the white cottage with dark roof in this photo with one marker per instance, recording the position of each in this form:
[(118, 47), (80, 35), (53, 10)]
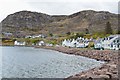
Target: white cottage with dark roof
[(19, 43), (79, 43), (111, 42)]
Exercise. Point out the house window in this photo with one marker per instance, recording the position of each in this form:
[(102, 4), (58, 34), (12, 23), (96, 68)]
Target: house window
[(114, 41), (111, 45), (117, 46), (117, 41)]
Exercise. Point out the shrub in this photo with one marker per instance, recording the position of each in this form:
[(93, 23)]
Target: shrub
[(34, 41), (86, 31), (100, 35), (75, 36), (50, 34), (68, 33), (91, 44), (88, 36), (52, 42)]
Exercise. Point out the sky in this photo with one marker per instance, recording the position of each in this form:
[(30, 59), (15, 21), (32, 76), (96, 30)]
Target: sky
[(56, 7)]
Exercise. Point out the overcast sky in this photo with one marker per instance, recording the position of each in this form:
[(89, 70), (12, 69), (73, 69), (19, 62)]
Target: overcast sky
[(56, 7)]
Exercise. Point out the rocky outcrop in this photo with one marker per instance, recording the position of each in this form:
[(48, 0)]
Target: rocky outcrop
[(26, 19)]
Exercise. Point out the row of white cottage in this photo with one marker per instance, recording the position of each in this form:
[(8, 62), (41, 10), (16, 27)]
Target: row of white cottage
[(40, 43), (79, 42), (19, 43), (111, 42)]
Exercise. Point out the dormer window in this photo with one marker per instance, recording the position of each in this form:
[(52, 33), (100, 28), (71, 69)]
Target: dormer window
[(118, 41), (111, 45), (110, 38), (114, 41)]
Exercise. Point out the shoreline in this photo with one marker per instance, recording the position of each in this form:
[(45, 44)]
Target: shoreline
[(108, 70)]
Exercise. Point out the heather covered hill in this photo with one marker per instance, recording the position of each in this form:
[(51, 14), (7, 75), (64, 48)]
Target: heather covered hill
[(33, 22)]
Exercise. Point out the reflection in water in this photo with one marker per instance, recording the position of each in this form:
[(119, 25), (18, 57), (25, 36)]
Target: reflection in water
[(28, 62)]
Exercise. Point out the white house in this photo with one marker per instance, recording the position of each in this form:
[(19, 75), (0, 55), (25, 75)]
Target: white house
[(41, 43), (73, 43), (66, 43), (18, 43), (80, 45), (36, 36), (79, 42), (97, 44), (49, 44), (7, 34), (28, 36), (111, 42)]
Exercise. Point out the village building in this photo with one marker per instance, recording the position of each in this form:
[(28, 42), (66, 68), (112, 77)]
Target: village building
[(41, 43), (111, 42), (79, 42), (48, 44), (97, 44), (7, 34), (19, 43), (36, 36)]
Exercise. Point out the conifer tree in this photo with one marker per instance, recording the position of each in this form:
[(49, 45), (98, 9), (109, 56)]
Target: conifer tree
[(108, 29)]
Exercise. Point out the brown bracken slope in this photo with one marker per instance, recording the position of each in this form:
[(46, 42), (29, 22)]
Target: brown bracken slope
[(28, 22)]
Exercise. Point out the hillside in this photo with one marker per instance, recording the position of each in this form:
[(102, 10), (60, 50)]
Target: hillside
[(27, 22)]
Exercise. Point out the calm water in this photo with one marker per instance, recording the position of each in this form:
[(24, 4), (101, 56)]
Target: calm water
[(28, 62)]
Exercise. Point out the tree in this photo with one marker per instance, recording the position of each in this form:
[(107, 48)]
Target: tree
[(50, 34), (68, 33), (78, 35), (118, 29), (86, 31), (108, 29), (35, 41)]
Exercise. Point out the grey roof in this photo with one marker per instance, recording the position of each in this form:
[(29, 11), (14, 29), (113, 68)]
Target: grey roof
[(114, 35), (99, 40)]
